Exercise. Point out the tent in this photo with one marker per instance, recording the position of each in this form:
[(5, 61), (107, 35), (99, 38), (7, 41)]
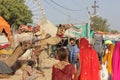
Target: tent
[(48, 27), (79, 31), (5, 69), (4, 26), (4, 43)]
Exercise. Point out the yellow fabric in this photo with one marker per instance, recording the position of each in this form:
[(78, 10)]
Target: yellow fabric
[(3, 51), (108, 58), (10, 51)]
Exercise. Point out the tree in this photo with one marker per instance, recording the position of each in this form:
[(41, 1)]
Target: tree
[(15, 12), (114, 32), (99, 24)]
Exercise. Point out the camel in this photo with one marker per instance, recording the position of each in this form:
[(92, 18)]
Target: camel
[(22, 47), (55, 39), (51, 41), (19, 50)]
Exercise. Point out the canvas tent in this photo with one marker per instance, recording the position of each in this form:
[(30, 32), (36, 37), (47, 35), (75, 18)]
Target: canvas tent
[(4, 26), (79, 31), (48, 27)]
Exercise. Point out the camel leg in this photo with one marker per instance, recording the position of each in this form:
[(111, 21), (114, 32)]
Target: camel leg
[(39, 65)]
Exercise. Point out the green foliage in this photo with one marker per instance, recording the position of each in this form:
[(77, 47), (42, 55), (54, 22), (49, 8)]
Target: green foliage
[(15, 12), (99, 24), (114, 32)]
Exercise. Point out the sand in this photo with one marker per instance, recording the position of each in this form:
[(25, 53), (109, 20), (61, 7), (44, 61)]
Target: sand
[(47, 64)]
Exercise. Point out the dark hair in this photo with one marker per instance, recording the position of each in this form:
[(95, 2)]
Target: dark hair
[(72, 39), (31, 63), (62, 54)]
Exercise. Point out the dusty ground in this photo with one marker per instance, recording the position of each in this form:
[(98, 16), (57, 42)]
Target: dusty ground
[(46, 66)]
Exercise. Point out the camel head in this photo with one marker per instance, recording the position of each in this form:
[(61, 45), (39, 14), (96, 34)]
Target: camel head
[(62, 29), (26, 45), (56, 39)]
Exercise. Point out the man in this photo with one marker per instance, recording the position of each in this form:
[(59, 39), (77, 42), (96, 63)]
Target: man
[(69, 47), (74, 53)]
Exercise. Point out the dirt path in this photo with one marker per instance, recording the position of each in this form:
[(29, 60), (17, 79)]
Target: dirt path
[(47, 64)]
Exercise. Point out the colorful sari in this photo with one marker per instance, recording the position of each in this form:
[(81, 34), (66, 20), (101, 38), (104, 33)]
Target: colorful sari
[(116, 62), (89, 62), (108, 58), (63, 74)]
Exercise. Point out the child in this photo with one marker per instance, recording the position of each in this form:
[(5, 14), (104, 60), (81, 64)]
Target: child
[(30, 73)]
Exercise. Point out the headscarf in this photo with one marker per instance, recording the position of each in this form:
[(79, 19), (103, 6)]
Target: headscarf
[(89, 61), (83, 43), (116, 62), (109, 58)]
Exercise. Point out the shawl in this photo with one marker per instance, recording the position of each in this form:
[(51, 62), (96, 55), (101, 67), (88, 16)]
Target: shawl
[(108, 58), (63, 74), (116, 62), (89, 62)]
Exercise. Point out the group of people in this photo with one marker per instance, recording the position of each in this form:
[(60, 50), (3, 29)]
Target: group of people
[(80, 61), (111, 60), (81, 55)]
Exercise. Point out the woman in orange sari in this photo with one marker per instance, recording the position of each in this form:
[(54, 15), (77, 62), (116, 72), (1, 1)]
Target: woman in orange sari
[(107, 59), (89, 62)]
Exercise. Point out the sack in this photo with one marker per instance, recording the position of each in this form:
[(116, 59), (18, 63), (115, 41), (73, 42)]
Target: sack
[(104, 72)]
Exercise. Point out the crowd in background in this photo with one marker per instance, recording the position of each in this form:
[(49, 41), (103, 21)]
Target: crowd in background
[(80, 61), (77, 62)]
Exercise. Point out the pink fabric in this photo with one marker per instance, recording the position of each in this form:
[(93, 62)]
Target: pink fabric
[(116, 62), (88, 61), (4, 46), (64, 74)]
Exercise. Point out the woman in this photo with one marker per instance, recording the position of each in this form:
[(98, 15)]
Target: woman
[(108, 59), (89, 62), (116, 62), (63, 70)]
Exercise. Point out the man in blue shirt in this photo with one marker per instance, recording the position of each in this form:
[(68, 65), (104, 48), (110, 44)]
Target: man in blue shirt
[(74, 53), (69, 47)]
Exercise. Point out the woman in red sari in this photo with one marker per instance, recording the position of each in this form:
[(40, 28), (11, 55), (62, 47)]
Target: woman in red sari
[(63, 70), (89, 62)]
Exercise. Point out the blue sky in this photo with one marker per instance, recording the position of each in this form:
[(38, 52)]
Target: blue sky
[(108, 9)]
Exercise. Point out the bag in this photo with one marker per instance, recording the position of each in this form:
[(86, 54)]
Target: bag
[(104, 72)]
